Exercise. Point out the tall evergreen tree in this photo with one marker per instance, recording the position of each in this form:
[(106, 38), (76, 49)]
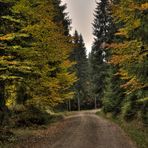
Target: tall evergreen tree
[(102, 31), (35, 50), (114, 94), (13, 66), (79, 56), (130, 54), (53, 48), (61, 17)]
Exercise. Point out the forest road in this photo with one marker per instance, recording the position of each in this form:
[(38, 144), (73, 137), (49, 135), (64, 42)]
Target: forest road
[(85, 130)]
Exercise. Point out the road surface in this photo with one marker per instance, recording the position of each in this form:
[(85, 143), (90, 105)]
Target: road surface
[(83, 130)]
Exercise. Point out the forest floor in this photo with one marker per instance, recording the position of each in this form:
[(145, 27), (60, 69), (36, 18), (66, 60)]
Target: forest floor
[(78, 130)]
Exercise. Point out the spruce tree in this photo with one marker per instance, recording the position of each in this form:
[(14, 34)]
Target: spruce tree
[(61, 17), (114, 94), (79, 56), (102, 35), (13, 67), (130, 54), (35, 53)]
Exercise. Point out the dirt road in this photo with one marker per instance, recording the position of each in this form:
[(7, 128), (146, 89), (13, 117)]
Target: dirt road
[(83, 130)]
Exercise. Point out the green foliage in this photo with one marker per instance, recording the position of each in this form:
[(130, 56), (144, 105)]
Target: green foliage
[(129, 52), (134, 129), (5, 136), (34, 54), (114, 95), (103, 32), (121, 82), (32, 117), (78, 55)]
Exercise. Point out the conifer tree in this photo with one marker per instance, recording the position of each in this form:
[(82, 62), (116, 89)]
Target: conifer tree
[(130, 53), (103, 32), (79, 56), (61, 17), (35, 52), (53, 48), (114, 94), (13, 67)]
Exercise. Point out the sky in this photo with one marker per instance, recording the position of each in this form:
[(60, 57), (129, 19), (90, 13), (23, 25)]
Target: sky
[(81, 12)]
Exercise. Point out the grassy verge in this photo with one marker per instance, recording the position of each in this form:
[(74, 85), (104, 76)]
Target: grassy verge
[(26, 124), (134, 129)]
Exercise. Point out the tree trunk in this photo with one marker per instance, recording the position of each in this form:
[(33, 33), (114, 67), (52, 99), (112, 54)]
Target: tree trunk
[(2, 102), (69, 105), (79, 107), (95, 102)]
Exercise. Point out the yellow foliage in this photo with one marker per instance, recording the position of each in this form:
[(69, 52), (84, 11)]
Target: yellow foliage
[(7, 37), (124, 74), (122, 32), (119, 59), (144, 6), (136, 23), (132, 85), (128, 52)]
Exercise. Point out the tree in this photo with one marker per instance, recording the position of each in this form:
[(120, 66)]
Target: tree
[(114, 94), (130, 53), (13, 67), (78, 55), (35, 53), (12, 64), (102, 35), (53, 50), (61, 17)]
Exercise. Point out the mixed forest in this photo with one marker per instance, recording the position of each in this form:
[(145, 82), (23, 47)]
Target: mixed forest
[(44, 69)]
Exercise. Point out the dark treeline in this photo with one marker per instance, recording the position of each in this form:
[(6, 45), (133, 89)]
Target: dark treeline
[(44, 68), (119, 58), (82, 98)]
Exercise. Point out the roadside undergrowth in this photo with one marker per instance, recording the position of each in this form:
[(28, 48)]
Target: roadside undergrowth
[(137, 131), (26, 124)]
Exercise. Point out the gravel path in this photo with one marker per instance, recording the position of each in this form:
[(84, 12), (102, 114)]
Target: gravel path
[(82, 130)]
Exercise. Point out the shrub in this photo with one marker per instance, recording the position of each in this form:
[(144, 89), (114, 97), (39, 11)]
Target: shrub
[(32, 116)]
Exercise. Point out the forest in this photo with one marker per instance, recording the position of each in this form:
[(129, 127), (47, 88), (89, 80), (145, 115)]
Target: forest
[(46, 70)]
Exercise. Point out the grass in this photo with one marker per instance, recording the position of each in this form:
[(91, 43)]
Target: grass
[(134, 129), (29, 124)]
